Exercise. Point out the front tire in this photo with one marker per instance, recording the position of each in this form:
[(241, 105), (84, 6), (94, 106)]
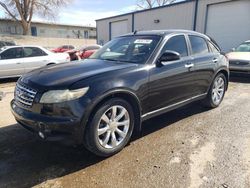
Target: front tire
[(216, 92), (110, 128)]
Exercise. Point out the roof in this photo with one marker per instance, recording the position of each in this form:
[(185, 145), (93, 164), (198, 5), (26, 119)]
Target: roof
[(167, 32), (139, 11), (55, 24), (7, 47)]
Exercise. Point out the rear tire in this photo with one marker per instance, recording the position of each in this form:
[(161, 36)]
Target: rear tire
[(216, 92), (110, 128)]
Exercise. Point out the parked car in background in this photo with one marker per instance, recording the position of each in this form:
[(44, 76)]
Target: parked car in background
[(63, 48), (7, 43), (87, 51), (83, 53), (239, 58), (102, 101), (18, 60)]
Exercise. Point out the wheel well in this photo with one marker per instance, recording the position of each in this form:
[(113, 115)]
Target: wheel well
[(226, 75), (50, 64), (132, 100)]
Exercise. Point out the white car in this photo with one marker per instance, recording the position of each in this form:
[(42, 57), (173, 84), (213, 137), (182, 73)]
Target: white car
[(239, 58), (18, 60)]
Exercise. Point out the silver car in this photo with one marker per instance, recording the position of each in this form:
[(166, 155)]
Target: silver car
[(18, 60)]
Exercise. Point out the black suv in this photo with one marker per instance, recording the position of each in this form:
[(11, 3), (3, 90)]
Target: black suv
[(103, 100)]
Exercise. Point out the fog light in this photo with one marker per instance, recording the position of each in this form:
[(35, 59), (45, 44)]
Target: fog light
[(41, 135)]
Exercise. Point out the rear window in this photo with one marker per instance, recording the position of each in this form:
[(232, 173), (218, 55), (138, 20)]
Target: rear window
[(33, 52), (199, 45)]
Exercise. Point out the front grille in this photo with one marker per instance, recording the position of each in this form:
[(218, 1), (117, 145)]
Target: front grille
[(239, 62), (24, 95)]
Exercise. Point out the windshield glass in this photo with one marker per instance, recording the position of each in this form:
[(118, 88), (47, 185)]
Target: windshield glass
[(133, 49), (245, 47)]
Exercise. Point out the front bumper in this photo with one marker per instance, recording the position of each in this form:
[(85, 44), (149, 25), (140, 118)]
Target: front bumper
[(47, 127)]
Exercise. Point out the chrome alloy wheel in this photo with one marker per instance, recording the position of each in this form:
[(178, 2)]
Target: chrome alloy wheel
[(218, 90), (113, 127)]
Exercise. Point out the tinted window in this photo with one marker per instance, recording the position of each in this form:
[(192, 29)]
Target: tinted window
[(198, 44), (177, 44), (33, 52), (71, 47), (12, 53)]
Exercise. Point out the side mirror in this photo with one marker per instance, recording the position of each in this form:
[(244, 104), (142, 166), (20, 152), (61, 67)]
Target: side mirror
[(168, 56), (233, 49)]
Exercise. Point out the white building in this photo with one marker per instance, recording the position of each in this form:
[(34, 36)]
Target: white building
[(10, 27), (227, 21)]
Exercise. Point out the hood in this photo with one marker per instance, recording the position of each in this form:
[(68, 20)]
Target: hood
[(239, 56), (64, 75)]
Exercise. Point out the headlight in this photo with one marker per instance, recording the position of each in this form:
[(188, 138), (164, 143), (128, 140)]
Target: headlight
[(57, 96)]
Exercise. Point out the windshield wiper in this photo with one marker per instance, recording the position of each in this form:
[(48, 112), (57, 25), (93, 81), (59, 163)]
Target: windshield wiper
[(110, 59)]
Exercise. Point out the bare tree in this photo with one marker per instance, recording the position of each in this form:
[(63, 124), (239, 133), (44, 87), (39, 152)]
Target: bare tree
[(148, 4), (23, 10)]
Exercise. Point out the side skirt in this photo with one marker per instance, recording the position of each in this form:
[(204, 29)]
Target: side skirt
[(172, 107)]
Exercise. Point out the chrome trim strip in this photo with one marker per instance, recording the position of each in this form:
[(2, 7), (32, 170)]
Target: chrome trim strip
[(26, 89), (172, 105)]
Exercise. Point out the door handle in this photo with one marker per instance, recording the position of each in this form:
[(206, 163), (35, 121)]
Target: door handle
[(189, 65), (18, 63), (215, 60)]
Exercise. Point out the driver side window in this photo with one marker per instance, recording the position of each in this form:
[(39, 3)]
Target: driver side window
[(177, 44)]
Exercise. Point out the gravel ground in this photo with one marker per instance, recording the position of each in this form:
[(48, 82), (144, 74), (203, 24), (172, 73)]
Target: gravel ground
[(188, 147)]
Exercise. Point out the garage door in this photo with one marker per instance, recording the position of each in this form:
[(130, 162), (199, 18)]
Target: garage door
[(229, 23), (119, 28)]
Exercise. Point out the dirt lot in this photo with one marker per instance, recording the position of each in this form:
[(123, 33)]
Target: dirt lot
[(189, 147)]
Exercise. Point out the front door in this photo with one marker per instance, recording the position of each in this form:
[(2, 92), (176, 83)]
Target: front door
[(11, 62), (173, 82)]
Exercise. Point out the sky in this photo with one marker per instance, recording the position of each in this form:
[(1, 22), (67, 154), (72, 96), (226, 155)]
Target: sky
[(85, 12)]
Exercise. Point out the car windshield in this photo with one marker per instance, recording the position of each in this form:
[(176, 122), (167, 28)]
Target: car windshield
[(133, 49), (245, 47)]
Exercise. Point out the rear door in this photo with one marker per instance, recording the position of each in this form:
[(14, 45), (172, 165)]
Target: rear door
[(205, 61), (34, 57), (11, 62), (173, 82)]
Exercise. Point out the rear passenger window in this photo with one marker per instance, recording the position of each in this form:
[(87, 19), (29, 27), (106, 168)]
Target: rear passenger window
[(33, 52), (177, 44), (199, 45)]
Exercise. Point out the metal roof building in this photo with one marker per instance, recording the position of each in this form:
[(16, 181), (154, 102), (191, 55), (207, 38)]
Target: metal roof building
[(227, 21)]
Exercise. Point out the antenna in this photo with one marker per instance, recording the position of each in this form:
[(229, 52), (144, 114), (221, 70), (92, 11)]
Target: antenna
[(135, 32)]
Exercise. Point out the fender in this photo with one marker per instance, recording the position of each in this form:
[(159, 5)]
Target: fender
[(106, 95), (216, 73)]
